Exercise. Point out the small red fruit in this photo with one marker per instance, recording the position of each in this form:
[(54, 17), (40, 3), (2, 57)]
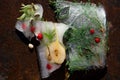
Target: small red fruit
[(40, 36), (32, 29), (92, 31), (48, 66), (23, 25), (97, 40)]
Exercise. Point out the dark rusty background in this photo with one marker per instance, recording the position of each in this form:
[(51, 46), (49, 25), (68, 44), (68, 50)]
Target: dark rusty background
[(16, 61)]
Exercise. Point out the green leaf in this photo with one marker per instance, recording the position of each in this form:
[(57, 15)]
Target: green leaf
[(49, 35), (27, 11)]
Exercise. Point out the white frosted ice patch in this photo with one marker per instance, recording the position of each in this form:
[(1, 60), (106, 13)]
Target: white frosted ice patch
[(18, 26)]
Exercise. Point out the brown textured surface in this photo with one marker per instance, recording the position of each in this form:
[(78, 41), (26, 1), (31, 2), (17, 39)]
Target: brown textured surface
[(17, 63)]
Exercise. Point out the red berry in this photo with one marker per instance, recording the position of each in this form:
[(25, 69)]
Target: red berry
[(32, 29), (97, 40), (23, 25), (48, 66), (40, 36), (92, 31)]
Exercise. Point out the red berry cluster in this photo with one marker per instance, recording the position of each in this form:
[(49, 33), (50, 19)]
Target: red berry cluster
[(97, 39)]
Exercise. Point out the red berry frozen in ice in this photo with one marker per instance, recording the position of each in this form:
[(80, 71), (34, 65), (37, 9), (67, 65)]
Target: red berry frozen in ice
[(97, 40), (32, 29), (40, 36), (48, 66), (92, 31), (23, 25)]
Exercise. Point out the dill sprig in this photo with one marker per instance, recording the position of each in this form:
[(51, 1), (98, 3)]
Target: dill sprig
[(49, 36), (28, 12), (80, 43)]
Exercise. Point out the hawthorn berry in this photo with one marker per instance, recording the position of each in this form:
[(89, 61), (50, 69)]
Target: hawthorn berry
[(40, 36), (97, 40), (48, 66), (23, 25), (32, 29), (92, 31)]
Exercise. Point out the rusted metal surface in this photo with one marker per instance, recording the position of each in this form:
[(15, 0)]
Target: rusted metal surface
[(18, 63)]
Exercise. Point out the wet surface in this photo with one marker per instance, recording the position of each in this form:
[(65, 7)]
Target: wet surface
[(18, 63)]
